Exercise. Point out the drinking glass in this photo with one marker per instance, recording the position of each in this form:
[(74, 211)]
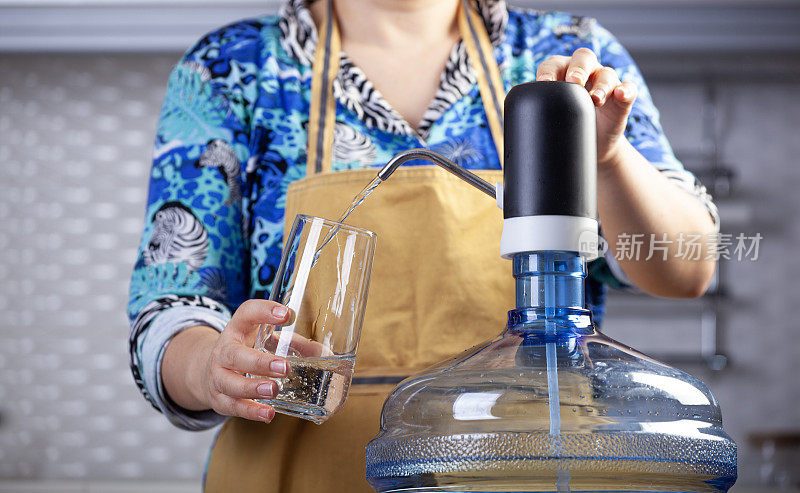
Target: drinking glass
[(323, 279)]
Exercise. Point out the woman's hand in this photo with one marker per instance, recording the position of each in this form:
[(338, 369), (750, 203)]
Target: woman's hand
[(205, 370), (612, 98), (227, 391)]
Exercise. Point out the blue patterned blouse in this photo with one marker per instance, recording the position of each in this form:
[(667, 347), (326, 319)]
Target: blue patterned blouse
[(231, 137)]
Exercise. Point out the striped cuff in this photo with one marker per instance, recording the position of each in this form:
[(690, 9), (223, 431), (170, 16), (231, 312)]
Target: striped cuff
[(162, 329)]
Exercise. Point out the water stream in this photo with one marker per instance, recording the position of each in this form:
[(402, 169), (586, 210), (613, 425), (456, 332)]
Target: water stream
[(357, 200)]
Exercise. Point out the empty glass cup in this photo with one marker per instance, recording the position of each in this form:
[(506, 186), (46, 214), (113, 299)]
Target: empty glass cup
[(323, 278)]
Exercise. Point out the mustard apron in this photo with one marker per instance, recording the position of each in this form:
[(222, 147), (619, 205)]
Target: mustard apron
[(438, 287)]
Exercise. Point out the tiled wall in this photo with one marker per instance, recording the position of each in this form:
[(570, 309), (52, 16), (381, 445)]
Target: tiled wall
[(75, 135), (75, 142)]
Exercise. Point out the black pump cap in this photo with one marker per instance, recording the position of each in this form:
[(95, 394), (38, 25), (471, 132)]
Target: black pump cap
[(550, 145)]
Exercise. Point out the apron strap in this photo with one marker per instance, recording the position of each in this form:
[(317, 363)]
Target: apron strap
[(481, 54), (322, 114), (322, 117)]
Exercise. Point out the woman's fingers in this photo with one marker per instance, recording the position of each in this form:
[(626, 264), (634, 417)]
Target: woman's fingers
[(299, 345), (238, 357), (618, 106), (244, 408), (612, 98), (604, 80), (254, 312), (233, 384), (226, 389), (553, 68), (581, 66), (625, 94), (584, 68)]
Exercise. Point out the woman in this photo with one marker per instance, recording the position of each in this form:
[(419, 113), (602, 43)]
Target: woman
[(261, 121)]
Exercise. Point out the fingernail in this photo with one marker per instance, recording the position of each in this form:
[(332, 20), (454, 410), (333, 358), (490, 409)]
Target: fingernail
[(278, 366), (546, 78), (279, 311), (266, 389), (575, 75), (598, 95), (266, 414)]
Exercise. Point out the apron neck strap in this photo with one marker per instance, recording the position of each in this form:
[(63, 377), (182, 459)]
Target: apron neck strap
[(322, 114), (481, 55)]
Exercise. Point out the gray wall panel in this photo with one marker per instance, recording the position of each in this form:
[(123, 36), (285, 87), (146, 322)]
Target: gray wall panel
[(75, 142)]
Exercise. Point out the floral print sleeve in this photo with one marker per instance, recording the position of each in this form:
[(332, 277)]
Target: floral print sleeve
[(192, 262), (644, 129)]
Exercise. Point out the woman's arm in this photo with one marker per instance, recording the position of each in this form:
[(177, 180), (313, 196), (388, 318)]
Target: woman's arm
[(634, 198), (191, 266)]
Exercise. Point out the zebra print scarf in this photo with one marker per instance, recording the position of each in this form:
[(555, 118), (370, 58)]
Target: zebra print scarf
[(355, 91)]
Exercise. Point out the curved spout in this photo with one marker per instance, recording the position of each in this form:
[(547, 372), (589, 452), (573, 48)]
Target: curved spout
[(439, 160)]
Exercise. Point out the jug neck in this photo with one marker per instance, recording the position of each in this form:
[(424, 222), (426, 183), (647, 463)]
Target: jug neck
[(549, 279), (550, 286)]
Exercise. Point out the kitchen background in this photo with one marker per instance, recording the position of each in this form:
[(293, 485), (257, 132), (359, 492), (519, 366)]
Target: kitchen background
[(81, 82)]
